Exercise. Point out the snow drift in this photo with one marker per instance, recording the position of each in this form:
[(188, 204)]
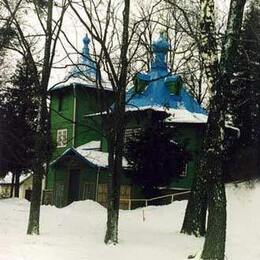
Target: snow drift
[(77, 231)]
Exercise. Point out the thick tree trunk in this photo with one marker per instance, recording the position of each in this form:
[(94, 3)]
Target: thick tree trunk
[(116, 137), (219, 75), (214, 247), (42, 142), (115, 162), (12, 185), (195, 215), (34, 218), (17, 185)]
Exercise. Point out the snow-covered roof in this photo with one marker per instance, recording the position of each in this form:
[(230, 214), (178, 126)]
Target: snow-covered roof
[(80, 81), (182, 107), (8, 178), (178, 115), (89, 153), (97, 158), (93, 145)]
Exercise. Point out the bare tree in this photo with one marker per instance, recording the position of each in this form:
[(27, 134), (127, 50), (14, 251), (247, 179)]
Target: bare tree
[(208, 189), (113, 39), (24, 44)]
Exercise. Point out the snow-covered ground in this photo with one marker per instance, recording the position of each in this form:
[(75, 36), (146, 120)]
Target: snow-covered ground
[(77, 231)]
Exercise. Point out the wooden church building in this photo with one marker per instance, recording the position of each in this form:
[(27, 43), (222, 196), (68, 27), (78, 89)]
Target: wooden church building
[(79, 166)]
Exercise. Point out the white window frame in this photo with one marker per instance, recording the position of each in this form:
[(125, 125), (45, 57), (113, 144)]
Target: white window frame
[(62, 143)]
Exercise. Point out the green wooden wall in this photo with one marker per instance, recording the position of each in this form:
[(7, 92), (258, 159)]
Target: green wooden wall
[(189, 134), (62, 113), (88, 128)]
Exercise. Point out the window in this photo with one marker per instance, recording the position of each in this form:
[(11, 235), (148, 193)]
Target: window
[(62, 138), (184, 170), (130, 133)]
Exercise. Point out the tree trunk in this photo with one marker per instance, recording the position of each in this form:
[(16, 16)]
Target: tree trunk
[(214, 247), (17, 185), (34, 218), (42, 142), (115, 172), (116, 137), (12, 185), (195, 215), (218, 74)]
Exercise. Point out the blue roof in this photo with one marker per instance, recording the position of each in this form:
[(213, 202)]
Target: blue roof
[(87, 66), (84, 73), (156, 93)]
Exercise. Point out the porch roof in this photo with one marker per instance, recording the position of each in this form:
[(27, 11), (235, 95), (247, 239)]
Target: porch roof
[(88, 154)]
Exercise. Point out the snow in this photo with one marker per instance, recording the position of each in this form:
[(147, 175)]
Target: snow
[(97, 158), (80, 81), (91, 153), (95, 145), (178, 115), (77, 231)]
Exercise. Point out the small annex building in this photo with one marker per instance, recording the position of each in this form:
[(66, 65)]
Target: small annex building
[(25, 186), (79, 167)]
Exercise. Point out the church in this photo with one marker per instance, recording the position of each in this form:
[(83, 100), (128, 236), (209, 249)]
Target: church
[(79, 166)]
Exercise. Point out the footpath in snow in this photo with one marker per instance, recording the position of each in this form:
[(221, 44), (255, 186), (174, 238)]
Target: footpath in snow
[(77, 231)]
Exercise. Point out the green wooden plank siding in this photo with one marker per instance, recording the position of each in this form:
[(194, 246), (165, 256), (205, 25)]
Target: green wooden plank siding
[(61, 119), (192, 135), (88, 129)]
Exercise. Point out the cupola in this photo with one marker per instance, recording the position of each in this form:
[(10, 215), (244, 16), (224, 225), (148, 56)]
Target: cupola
[(173, 84), (160, 48)]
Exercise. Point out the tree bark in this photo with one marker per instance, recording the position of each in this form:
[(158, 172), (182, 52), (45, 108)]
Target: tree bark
[(116, 138), (34, 217), (214, 246), (219, 75), (17, 185), (195, 215), (42, 141), (115, 172), (12, 185)]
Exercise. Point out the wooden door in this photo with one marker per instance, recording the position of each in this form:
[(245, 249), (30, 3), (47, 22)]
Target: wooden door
[(59, 194), (102, 194), (73, 192), (89, 191), (125, 196)]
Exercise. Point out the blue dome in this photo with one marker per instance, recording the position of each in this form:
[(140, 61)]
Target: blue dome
[(159, 88), (86, 40), (161, 44), (87, 67)]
